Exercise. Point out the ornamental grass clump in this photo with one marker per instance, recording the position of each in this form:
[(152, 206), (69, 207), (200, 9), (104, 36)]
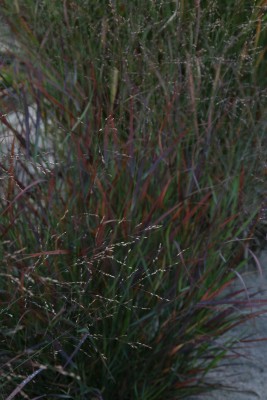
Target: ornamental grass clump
[(119, 249)]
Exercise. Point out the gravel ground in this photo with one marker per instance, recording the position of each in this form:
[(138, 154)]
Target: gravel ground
[(246, 377)]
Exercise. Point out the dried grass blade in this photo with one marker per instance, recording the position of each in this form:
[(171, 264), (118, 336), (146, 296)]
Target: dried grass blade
[(24, 383)]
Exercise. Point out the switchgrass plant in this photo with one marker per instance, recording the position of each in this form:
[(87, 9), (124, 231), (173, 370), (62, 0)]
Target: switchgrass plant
[(118, 252)]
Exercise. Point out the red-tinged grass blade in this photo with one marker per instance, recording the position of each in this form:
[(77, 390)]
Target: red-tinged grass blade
[(228, 220), (47, 253), (211, 293), (7, 228), (18, 183), (53, 100), (20, 138), (193, 211), (21, 194), (104, 208), (158, 204), (253, 340), (166, 214), (130, 140), (168, 109), (163, 156), (186, 382), (10, 188)]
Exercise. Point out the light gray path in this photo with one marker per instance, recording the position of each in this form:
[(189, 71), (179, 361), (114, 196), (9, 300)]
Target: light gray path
[(246, 377)]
